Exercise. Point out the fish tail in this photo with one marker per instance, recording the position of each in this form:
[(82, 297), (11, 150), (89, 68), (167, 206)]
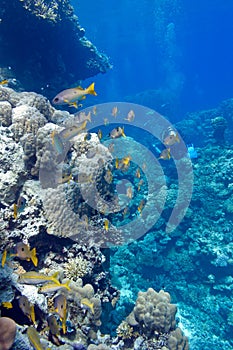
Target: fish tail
[(66, 285), (34, 257), (169, 153), (15, 211), (7, 304), (177, 138), (89, 117), (4, 255), (55, 276), (91, 89), (123, 132)]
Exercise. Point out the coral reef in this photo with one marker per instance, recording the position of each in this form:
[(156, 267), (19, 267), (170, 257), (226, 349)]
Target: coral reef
[(98, 301), (41, 40)]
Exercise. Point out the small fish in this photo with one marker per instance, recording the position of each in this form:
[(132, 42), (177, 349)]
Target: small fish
[(111, 147), (129, 192), (54, 287), (106, 224), (171, 138), (4, 256), (33, 277), (54, 328), (144, 166), (60, 305), (138, 173), (73, 95), (100, 134), (83, 178), (126, 160), (89, 305), (34, 339), (57, 142), (94, 110), (65, 179), (84, 220), (27, 308), (130, 116), (108, 176), (19, 206), (7, 304), (106, 121), (87, 137), (23, 252), (114, 111), (141, 182), (125, 212), (141, 206), (165, 154), (3, 82), (82, 117), (117, 132), (72, 131)]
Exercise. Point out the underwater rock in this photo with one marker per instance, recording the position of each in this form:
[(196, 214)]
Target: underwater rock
[(37, 47), (13, 171), (219, 125), (154, 317)]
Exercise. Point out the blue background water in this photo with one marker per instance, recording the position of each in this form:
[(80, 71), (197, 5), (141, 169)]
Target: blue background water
[(183, 48)]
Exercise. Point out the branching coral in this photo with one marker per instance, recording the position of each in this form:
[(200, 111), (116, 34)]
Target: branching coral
[(76, 268)]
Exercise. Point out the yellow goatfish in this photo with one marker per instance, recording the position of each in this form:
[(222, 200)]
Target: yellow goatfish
[(33, 277), (73, 95), (3, 82), (34, 339), (54, 287), (87, 304)]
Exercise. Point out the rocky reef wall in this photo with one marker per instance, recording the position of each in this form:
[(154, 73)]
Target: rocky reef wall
[(44, 45)]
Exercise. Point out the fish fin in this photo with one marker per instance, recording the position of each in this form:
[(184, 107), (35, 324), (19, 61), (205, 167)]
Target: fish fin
[(83, 97), (91, 89), (4, 255), (177, 138), (123, 132), (32, 314), (79, 87), (89, 117), (34, 257), (15, 211), (7, 304)]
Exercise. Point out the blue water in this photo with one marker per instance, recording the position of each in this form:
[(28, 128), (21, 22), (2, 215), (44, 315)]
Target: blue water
[(181, 47)]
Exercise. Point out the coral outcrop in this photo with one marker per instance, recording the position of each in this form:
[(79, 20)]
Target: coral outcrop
[(153, 317)]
